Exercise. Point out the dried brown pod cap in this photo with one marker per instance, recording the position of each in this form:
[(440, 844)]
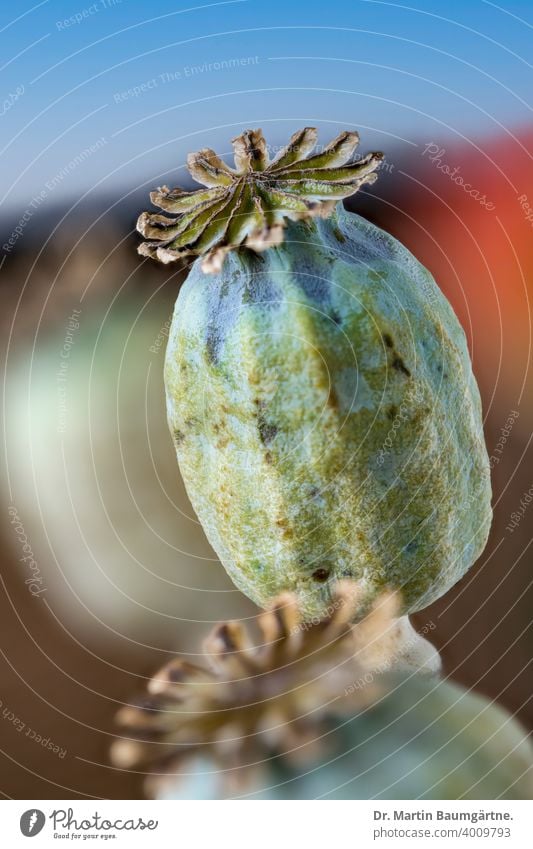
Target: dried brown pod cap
[(248, 205), (255, 700)]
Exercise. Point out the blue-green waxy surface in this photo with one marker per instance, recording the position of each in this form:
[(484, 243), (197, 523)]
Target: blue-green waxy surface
[(326, 419)]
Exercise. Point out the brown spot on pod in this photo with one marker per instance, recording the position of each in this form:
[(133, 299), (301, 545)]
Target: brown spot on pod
[(333, 401), (399, 365), (285, 528), (320, 575), (267, 430)]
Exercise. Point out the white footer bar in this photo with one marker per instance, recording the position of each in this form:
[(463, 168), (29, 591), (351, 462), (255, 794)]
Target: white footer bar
[(267, 825)]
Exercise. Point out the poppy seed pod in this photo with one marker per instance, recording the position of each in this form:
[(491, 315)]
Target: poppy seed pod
[(319, 388)]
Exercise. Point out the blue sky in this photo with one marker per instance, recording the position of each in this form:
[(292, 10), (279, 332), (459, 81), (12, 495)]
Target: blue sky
[(145, 83)]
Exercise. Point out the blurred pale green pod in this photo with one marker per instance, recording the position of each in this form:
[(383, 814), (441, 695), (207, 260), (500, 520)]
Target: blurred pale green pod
[(424, 740), (92, 476)]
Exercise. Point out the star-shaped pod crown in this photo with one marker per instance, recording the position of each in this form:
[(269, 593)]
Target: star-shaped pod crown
[(254, 701), (249, 205)]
